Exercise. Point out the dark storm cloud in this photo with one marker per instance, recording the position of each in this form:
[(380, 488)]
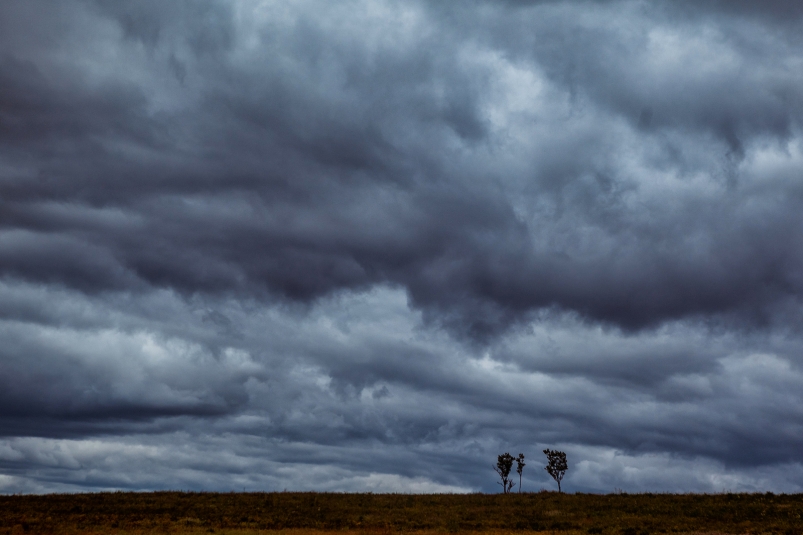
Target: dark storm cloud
[(352, 386), (252, 220), (775, 9), (303, 154), (780, 10)]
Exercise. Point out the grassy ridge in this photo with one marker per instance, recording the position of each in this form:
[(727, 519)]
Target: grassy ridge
[(613, 514)]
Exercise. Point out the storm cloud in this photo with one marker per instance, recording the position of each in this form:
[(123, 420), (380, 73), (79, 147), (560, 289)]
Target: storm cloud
[(381, 242)]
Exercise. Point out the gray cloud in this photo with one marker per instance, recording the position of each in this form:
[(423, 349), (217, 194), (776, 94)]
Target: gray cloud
[(394, 238)]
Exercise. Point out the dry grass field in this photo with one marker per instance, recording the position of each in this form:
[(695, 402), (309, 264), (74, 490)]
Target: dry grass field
[(312, 513)]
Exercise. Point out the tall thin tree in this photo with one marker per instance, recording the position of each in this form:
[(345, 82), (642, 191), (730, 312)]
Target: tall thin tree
[(520, 468), (504, 464), (556, 465)]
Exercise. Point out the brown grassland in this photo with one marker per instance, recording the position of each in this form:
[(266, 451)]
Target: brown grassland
[(308, 513)]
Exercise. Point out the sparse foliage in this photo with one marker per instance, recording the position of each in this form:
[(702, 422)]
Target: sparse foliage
[(504, 464), (520, 468), (556, 465)]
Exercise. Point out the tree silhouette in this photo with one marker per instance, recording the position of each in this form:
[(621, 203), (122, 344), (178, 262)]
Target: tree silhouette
[(556, 465), (520, 467), (504, 464)]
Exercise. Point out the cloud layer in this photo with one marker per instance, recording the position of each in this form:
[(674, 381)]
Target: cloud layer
[(379, 243)]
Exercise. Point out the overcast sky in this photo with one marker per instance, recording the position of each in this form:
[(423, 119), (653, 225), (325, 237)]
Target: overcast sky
[(369, 245)]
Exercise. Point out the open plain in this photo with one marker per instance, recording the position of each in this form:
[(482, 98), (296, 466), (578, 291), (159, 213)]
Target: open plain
[(307, 513)]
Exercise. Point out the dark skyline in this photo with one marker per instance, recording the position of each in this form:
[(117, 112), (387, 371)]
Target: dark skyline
[(371, 245)]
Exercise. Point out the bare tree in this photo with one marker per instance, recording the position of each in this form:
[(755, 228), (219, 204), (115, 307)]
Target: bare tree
[(520, 468), (556, 465), (504, 464)]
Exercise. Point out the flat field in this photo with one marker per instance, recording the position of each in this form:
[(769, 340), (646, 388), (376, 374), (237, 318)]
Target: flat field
[(312, 513)]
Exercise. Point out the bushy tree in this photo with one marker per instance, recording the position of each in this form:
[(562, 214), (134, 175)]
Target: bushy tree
[(504, 464), (520, 468), (556, 465)]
